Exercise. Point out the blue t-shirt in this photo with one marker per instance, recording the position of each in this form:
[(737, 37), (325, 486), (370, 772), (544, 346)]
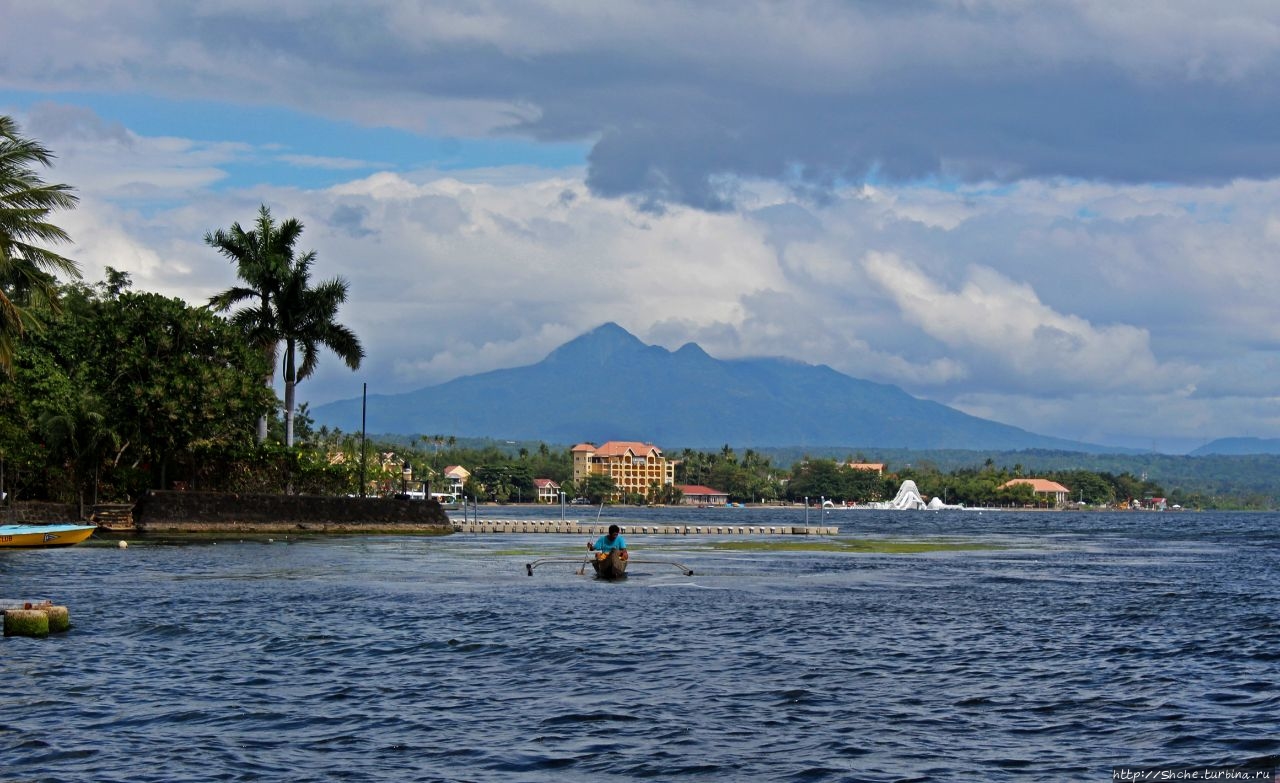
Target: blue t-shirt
[(603, 544)]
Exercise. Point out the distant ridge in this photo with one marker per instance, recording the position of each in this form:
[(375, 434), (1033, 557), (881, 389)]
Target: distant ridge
[(1238, 447), (609, 385)]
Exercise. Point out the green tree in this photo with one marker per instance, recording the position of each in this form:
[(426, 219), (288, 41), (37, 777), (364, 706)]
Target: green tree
[(504, 480), (27, 270), (81, 435), (38, 386), (816, 478), (307, 319), (598, 488), (286, 308), (862, 486), (180, 377), (263, 256), (1087, 487), (121, 387)]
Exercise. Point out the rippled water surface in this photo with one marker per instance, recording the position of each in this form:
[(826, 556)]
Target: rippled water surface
[(1070, 643)]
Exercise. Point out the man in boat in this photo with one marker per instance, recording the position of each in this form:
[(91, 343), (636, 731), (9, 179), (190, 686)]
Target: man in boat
[(607, 543)]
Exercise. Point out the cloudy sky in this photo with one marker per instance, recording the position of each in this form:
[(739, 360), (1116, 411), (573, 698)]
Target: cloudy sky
[(1062, 215)]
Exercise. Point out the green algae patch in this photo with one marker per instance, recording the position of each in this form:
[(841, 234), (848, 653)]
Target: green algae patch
[(883, 546), (532, 552), (26, 622)]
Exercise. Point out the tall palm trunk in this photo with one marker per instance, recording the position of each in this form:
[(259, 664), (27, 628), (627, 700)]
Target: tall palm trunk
[(270, 377), (290, 383)]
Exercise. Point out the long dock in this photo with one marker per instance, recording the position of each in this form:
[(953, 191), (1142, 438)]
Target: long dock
[(574, 527)]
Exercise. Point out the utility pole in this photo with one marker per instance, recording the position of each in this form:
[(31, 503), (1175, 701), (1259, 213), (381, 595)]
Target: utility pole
[(364, 402)]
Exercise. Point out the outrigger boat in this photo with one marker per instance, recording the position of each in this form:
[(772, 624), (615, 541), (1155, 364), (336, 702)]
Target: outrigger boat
[(611, 566), (37, 536)]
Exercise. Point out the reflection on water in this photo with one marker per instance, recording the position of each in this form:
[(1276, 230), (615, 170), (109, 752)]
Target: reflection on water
[(1086, 640)]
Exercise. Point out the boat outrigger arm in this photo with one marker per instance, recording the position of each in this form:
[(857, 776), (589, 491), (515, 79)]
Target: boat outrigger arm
[(577, 560)]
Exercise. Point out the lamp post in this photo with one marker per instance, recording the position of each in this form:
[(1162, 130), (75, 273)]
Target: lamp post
[(405, 475)]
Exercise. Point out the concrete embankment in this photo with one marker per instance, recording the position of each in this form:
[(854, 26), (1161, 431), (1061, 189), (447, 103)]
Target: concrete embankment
[(575, 527)]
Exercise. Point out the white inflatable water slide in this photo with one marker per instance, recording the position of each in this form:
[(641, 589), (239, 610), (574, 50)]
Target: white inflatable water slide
[(908, 498)]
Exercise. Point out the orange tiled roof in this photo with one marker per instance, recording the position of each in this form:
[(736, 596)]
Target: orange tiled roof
[(616, 448), (584, 447), (540, 483), (1037, 485), (698, 489)]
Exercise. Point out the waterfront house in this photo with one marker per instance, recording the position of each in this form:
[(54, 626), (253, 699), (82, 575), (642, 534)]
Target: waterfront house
[(548, 490), (1047, 490), (456, 477), (698, 495)]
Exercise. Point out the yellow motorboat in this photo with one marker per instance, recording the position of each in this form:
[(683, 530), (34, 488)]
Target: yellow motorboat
[(38, 536)]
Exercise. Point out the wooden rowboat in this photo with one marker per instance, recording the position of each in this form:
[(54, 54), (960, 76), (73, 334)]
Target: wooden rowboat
[(35, 536), (610, 566)]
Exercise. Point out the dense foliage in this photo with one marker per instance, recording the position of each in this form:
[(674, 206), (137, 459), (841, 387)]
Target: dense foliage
[(123, 391)]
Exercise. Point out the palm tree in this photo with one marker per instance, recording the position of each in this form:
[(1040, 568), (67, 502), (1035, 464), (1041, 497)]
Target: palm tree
[(26, 269), (80, 434), (263, 257), (306, 321)]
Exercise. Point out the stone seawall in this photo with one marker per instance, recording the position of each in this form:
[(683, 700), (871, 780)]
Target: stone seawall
[(211, 511), (36, 512)]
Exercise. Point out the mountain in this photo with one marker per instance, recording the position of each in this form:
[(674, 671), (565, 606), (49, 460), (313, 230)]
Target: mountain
[(608, 385), (1238, 447)]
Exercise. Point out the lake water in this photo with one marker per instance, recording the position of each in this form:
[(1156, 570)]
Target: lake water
[(1073, 643)]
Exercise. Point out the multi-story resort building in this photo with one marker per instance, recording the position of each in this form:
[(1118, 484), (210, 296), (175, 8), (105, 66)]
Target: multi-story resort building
[(634, 467)]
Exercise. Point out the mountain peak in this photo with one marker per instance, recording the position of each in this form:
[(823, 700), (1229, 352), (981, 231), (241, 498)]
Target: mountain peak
[(692, 351), (608, 384), (603, 342)]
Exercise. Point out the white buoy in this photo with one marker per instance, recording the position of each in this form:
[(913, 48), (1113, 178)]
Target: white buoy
[(122, 545)]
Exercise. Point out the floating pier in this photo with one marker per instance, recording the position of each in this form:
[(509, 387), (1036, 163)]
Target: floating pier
[(574, 527)]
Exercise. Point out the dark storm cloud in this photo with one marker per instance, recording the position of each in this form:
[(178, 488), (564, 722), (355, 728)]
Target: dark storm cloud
[(682, 101), (1090, 125)]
